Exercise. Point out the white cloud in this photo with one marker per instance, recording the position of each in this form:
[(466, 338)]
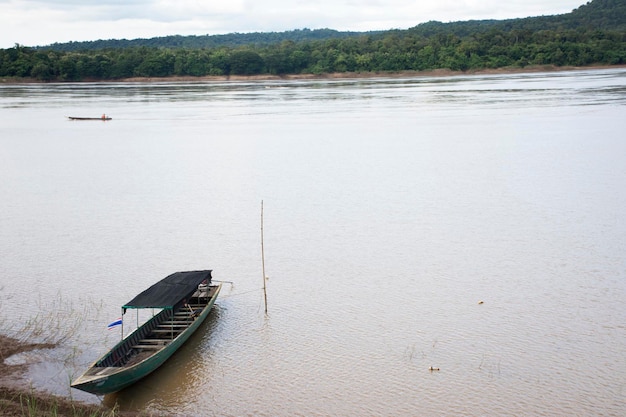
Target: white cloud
[(41, 22)]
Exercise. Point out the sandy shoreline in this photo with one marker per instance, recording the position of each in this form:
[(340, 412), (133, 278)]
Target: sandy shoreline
[(330, 76), (366, 75)]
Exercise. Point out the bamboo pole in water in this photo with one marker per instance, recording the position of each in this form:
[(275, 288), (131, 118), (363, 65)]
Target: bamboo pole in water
[(263, 260)]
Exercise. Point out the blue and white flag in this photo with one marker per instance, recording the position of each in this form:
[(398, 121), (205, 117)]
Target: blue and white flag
[(115, 323)]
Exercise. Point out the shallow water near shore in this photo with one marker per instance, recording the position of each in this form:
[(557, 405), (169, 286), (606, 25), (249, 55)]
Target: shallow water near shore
[(472, 224)]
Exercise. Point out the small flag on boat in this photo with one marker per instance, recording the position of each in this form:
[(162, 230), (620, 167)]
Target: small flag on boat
[(115, 323)]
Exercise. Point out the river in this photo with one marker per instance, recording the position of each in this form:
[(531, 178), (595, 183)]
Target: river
[(474, 224)]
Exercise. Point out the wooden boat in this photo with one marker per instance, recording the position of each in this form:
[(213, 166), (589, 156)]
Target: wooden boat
[(90, 118), (186, 299)]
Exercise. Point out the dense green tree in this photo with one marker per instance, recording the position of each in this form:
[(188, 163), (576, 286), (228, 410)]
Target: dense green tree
[(67, 68), (246, 63)]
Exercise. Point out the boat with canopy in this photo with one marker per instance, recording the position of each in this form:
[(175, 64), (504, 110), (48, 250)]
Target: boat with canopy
[(185, 300)]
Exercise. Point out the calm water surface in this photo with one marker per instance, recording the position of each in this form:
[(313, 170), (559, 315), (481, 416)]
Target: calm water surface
[(392, 208)]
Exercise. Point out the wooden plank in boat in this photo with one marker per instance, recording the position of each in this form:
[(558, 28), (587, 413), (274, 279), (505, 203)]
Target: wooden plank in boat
[(148, 347)]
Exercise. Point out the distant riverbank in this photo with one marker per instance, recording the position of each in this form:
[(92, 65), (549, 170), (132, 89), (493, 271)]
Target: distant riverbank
[(329, 76)]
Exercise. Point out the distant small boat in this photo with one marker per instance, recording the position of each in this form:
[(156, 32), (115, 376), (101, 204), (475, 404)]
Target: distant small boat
[(186, 299), (90, 118)]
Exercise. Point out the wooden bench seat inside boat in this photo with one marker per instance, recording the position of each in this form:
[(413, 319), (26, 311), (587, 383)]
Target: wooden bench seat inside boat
[(148, 347)]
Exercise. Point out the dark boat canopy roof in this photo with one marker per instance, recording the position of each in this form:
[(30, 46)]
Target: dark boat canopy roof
[(170, 290)]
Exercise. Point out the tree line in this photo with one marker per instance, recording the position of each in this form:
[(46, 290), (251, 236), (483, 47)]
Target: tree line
[(593, 34), (207, 41)]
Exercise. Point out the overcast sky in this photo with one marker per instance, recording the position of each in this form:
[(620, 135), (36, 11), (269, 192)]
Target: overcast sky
[(42, 22)]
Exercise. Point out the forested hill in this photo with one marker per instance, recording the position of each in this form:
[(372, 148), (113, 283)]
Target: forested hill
[(593, 34), (208, 41), (595, 15)]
